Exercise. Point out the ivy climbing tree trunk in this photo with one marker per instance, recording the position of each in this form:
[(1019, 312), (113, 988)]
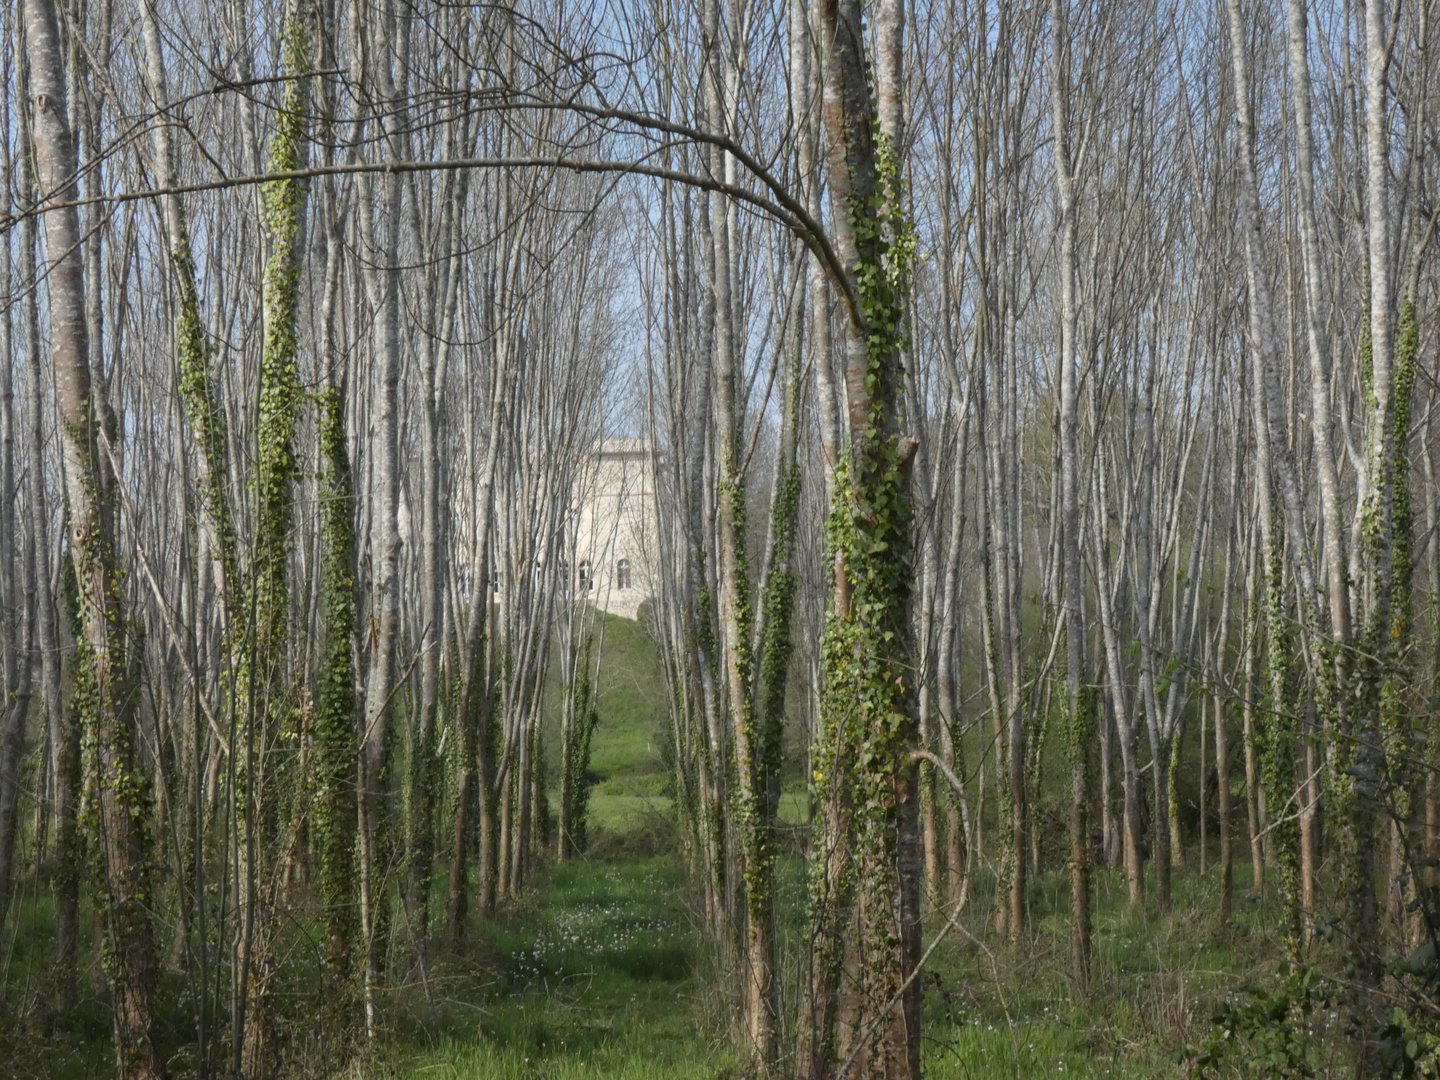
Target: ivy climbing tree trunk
[(269, 709), (1363, 753), (201, 402), (335, 723), (108, 708), (867, 701)]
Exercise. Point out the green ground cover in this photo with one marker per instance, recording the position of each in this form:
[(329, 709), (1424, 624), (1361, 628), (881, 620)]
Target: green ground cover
[(601, 979), (601, 976), (599, 970), (632, 784), (597, 981)]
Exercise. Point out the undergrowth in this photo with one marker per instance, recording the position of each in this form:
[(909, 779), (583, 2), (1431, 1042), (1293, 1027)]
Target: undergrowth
[(601, 976), (597, 979)]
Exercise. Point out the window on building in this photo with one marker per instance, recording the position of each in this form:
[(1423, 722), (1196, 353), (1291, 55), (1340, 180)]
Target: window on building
[(585, 583), (622, 574)]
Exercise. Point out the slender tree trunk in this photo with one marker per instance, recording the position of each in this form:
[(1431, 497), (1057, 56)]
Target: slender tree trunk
[(17, 564), (958, 845), (1275, 463), (1124, 724), (124, 808), (1220, 698), (1079, 704), (64, 736), (17, 610), (1254, 806), (752, 797)]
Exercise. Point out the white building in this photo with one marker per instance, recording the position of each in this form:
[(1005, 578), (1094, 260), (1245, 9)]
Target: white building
[(617, 526)]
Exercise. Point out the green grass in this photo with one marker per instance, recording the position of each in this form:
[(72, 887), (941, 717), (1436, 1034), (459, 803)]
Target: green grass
[(620, 814), (631, 700), (597, 971), (634, 785), (596, 981), (794, 808), (1155, 980)]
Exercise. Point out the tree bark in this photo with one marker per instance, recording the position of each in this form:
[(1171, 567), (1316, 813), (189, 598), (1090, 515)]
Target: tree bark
[(124, 808), (1079, 710)]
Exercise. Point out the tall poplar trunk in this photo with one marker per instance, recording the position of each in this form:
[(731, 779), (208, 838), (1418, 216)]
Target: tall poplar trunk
[(751, 797), (1363, 758), (62, 719), (1332, 682), (17, 609), (1147, 578), (268, 708), (375, 751), (1220, 698), (957, 821), (1078, 710), (382, 46), (1274, 464), (1254, 801), (202, 406), (426, 774), (473, 709), (832, 891), (124, 803), (867, 704)]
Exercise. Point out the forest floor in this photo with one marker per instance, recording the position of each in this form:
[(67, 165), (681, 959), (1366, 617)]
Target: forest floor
[(598, 970), (595, 980), (597, 973), (600, 977)]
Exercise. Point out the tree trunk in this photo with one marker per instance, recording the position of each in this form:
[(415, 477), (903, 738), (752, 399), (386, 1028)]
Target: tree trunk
[(267, 712), (1079, 708), (17, 564), (124, 808)]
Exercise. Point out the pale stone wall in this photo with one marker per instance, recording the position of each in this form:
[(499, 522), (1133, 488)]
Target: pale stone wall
[(618, 523)]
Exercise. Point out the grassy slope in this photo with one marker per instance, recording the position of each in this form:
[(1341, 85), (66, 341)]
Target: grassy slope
[(597, 979), (625, 752)]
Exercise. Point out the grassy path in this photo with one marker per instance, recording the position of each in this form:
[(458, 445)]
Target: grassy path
[(599, 979), (596, 982)]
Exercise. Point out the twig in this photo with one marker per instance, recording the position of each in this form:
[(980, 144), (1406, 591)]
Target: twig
[(919, 967), (1000, 993)]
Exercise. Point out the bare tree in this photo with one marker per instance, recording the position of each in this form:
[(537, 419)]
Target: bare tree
[(105, 675)]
